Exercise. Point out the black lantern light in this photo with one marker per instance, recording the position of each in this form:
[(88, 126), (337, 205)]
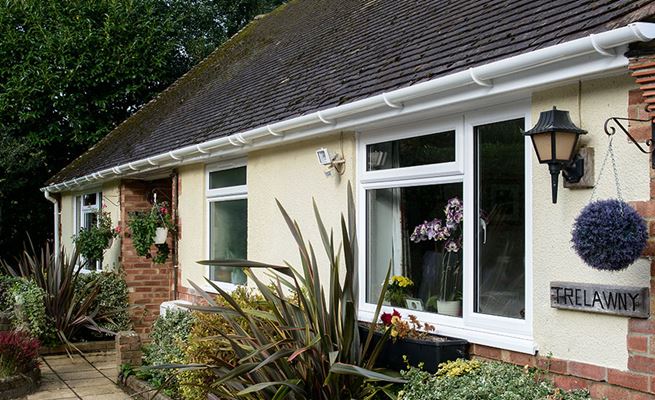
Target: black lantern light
[(554, 138)]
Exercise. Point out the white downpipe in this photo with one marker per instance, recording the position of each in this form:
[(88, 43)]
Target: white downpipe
[(54, 201), (482, 76)]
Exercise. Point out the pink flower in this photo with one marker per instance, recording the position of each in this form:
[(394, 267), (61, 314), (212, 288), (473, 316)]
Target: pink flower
[(117, 229), (164, 210)]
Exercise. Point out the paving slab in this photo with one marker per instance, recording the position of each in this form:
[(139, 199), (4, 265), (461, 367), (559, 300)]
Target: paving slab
[(88, 377)]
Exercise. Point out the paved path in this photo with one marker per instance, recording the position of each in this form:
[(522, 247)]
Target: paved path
[(80, 378)]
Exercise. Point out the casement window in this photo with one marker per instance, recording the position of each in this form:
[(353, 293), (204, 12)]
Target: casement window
[(87, 207), (227, 201), (445, 203)]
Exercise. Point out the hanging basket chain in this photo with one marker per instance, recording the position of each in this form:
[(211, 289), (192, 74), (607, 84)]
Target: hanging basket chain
[(609, 154)]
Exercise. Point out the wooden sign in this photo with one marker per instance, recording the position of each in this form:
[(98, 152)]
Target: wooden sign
[(607, 299)]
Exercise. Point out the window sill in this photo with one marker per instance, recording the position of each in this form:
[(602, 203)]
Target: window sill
[(506, 341), (226, 286)]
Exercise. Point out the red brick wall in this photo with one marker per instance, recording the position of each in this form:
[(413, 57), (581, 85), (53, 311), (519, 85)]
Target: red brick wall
[(638, 382), (149, 284)]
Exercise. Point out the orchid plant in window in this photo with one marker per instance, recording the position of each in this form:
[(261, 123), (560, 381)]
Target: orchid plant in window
[(447, 235)]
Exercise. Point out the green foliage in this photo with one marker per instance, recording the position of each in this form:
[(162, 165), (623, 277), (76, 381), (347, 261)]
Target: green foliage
[(25, 302), (112, 301), (476, 380), (68, 308), (206, 345), (92, 242), (169, 334), (143, 226), (308, 348), (73, 70)]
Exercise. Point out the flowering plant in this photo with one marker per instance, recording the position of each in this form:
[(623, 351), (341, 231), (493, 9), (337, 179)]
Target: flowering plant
[(398, 289), (93, 242), (19, 353), (447, 234), (143, 226), (402, 329)]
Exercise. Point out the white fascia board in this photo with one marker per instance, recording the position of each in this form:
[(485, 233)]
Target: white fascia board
[(589, 56)]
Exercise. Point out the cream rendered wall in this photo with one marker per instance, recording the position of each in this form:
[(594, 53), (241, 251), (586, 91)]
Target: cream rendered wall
[(593, 338), (111, 204), (67, 215), (192, 214), (292, 174)]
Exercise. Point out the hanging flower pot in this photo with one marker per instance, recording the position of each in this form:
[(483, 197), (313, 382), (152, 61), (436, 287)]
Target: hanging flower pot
[(160, 235), (609, 235)]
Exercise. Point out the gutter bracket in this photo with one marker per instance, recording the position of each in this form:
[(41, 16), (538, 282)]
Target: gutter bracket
[(599, 49), (323, 119), (231, 140), (478, 81), (391, 104), (272, 132)]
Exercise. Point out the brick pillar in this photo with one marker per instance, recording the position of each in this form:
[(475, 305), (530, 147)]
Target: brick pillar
[(641, 105), (128, 349), (148, 284)]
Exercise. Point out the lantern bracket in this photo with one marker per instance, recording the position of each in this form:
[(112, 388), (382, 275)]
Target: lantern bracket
[(611, 130)]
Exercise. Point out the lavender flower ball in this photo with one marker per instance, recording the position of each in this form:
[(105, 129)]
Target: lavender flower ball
[(607, 239)]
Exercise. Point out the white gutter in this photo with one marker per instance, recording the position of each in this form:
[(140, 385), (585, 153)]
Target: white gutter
[(54, 201), (601, 52)]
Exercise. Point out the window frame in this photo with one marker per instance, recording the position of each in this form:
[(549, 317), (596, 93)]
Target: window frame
[(496, 331), (79, 217), (239, 192)]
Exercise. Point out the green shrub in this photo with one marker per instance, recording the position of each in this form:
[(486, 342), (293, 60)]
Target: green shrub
[(24, 301), (169, 335), (206, 345), (112, 300), (482, 380), (67, 307)]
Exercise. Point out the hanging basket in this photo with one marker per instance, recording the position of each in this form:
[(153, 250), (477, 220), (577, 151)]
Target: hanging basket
[(160, 235), (609, 235)]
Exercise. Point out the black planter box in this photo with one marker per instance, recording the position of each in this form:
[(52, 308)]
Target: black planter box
[(430, 353)]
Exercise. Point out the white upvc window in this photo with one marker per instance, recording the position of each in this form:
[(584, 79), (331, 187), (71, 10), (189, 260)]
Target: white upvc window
[(471, 267), (87, 208), (227, 225)]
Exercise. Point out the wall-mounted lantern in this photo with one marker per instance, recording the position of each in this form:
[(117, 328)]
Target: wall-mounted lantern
[(555, 138)]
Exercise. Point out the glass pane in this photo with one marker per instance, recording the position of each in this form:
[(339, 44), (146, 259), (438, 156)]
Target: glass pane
[(89, 199), (500, 275), (90, 219), (227, 177), (421, 150), (228, 238), (419, 230)]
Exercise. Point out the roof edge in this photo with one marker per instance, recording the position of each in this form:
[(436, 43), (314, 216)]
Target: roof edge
[(605, 46)]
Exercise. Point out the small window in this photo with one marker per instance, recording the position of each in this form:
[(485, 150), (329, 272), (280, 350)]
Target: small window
[(228, 222), (422, 150), (227, 177)]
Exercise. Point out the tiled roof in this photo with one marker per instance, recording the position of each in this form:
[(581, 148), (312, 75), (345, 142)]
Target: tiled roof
[(314, 54)]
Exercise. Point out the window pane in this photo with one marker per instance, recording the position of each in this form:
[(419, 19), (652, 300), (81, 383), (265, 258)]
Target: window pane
[(500, 275), (89, 199), (227, 177), (415, 227), (228, 238), (421, 150)]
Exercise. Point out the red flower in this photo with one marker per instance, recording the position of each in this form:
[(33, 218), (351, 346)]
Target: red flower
[(163, 210), (386, 317)]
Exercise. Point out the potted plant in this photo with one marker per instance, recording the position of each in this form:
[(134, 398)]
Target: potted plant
[(151, 228), (410, 342), (398, 290), (447, 235), (92, 242)]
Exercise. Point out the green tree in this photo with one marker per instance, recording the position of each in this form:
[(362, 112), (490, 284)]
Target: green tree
[(73, 70)]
